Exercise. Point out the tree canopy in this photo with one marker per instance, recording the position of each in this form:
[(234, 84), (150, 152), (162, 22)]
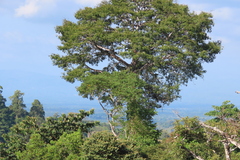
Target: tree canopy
[(160, 44), (159, 40)]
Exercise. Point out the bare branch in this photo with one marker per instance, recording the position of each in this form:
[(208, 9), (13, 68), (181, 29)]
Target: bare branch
[(112, 54), (95, 70), (226, 149), (109, 115), (145, 66), (194, 155), (176, 113), (169, 36)]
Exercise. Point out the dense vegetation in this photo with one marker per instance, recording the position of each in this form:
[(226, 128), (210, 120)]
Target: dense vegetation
[(71, 136), (148, 49)]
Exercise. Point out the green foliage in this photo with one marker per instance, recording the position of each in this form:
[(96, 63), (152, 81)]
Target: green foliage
[(50, 131), (188, 141), (35, 149), (53, 128), (103, 126), (189, 126), (177, 43), (166, 150), (225, 112), (18, 136), (119, 90), (142, 132), (2, 99), (6, 118), (67, 146), (6, 121), (17, 106), (37, 111), (103, 145), (226, 118), (193, 139)]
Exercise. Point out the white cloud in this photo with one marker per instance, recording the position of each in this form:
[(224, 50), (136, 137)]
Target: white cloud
[(31, 7)]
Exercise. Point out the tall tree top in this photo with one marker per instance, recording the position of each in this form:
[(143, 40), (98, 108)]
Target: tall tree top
[(37, 109), (161, 41)]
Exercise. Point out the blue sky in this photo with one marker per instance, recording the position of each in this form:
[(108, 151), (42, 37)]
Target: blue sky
[(27, 38)]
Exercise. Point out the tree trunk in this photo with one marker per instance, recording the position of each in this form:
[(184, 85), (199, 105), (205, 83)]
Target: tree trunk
[(109, 121), (227, 150)]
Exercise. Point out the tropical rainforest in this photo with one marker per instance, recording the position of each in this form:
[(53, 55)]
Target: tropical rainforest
[(132, 56)]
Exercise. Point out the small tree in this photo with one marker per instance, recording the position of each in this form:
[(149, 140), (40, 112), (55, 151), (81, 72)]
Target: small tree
[(37, 111), (17, 106)]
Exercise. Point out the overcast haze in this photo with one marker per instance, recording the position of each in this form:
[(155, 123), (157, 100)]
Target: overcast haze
[(28, 37)]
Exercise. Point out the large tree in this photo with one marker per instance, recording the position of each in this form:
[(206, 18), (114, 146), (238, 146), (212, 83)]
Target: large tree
[(151, 47)]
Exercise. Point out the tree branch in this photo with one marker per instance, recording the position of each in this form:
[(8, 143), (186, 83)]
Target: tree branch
[(95, 70), (226, 149), (109, 115), (144, 67), (194, 155), (112, 54), (169, 36)]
